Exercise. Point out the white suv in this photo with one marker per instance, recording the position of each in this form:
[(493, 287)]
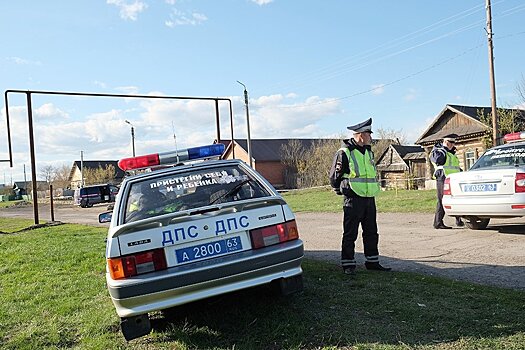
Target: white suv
[(193, 231)]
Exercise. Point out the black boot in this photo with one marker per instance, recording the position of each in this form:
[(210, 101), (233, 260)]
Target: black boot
[(376, 266)]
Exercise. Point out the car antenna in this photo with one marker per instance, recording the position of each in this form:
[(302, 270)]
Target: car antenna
[(175, 140)]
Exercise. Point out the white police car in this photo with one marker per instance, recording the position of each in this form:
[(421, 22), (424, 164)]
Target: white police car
[(192, 231), (493, 188)]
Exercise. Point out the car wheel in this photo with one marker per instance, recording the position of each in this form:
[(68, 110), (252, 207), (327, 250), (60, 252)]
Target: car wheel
[(475, 223)]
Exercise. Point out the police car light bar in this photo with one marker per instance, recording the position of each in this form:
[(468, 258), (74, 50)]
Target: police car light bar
[(515, 136), (183, 155)]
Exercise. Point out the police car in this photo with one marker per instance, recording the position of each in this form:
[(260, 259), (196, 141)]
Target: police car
[(493, 188), (193, 231)]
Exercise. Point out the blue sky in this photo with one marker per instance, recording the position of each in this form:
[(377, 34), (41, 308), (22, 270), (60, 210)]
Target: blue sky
[(311, 69)]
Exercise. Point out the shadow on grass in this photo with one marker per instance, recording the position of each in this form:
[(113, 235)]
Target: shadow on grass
[(333, 310)]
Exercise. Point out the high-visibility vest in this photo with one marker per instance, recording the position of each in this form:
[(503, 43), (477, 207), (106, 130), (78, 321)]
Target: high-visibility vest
[(451, 165), (363, 176)]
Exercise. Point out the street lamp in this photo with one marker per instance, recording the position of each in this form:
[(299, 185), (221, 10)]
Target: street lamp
[(132, 136), (248, 140)]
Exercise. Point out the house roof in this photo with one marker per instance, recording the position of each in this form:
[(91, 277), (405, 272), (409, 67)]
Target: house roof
[(431, 135), (270, 149), (412, 152), (28, 184)]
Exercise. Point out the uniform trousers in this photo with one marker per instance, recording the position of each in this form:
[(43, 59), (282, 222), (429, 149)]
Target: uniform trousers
[(440, 212), (359, 210)]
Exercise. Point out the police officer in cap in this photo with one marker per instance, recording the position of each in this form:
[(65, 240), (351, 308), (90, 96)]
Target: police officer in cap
[(353, 175), (445, 161)]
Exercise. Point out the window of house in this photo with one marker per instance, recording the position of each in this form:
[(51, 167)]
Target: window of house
[(470, 159)]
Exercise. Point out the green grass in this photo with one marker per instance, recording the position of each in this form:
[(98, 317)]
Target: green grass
[(9, 203), (12, 225), (53, 295), (325, 200)]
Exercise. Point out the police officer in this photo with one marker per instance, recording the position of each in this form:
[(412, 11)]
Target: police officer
[(353, 174), (445, 161)]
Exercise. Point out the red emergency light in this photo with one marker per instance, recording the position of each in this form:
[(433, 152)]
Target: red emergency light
[(175, 157)]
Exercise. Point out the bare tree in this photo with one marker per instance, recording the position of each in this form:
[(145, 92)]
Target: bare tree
[(521, 89), (308, 167), (384, 138), (46, 172), (61, 176)]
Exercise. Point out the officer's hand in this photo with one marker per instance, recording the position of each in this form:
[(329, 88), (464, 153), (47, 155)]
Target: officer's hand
[(337, 191)]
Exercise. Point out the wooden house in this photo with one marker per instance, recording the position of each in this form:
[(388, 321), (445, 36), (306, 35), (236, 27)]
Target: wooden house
[(465, 122), (402, 166)]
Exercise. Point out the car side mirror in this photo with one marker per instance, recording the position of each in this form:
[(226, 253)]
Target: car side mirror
[(105, 217)]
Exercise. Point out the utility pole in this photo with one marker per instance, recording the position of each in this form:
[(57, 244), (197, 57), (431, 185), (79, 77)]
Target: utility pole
[(495, 128), (248, 140), (132, 136), (81, 168)]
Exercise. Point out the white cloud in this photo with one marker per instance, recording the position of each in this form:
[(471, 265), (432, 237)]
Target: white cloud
[(23, 61), (180, 18), (378, 89), (262, 2), (129, 10), (49, 111), (170, 2)]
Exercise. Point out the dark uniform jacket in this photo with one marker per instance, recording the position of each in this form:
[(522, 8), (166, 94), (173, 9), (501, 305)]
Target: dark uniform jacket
[(340, 166), (438, 156)]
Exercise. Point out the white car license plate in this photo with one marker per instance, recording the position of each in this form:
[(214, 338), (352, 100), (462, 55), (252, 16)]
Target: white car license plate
[(480, 188), (208, 250)]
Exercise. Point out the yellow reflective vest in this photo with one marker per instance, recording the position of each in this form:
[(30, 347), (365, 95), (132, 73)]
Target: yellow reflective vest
[(451, 165), (363, 176)]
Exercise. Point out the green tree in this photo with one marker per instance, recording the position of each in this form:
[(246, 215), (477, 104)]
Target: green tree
[(99, 175), (509, 120)]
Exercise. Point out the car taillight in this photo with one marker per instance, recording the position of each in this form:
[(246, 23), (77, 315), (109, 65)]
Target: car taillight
[(519, 184), (136, 264), (275, 234), (446, 188)]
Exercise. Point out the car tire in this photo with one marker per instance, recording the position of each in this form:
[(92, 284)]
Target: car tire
[(475, 223)]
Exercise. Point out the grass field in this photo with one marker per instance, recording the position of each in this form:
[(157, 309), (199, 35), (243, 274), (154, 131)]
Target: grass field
[(325, 200), (53, 295)]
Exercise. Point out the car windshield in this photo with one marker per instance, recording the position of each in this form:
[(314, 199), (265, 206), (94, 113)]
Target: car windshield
[(192, 189), (512, 155)]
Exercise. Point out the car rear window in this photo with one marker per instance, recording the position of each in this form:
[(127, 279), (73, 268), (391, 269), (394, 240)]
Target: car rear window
[(512, 155), (192, 189)]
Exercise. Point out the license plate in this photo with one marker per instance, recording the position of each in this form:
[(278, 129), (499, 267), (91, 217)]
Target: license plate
[(480, 188), (207, 250)]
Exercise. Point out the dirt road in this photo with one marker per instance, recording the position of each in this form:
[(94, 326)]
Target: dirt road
[(408, 242)]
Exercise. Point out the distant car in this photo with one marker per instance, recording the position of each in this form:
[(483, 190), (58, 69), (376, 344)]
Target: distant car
[(493, 188), (87, 196), (193, 231)]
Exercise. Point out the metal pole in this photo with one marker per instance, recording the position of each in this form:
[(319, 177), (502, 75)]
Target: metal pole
[(8, 132), (248, 140), (81, 169), (132, 136), (51, 200), (231, 128), (495, 128), (133, 139), (33, 161), (217, 120)]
